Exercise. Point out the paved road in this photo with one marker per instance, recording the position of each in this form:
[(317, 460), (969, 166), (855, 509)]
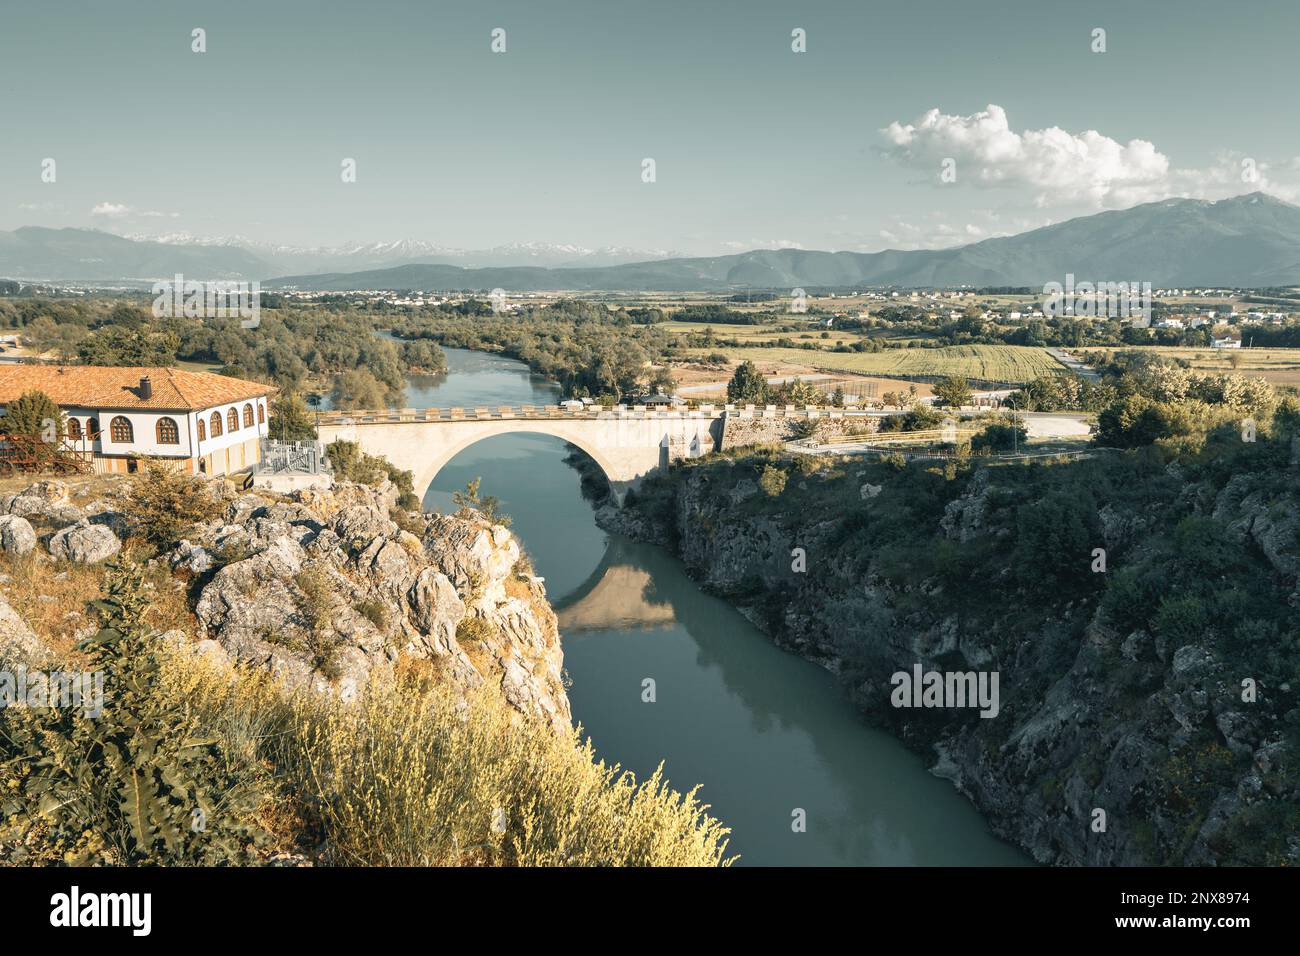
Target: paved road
[(1074, 364)]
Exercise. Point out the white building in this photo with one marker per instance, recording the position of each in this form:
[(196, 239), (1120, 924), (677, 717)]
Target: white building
[(208, 424)]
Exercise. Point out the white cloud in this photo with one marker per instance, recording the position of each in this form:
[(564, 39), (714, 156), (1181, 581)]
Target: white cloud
[(1060, 165), (122, 212), (901, 234), (743, 245), (111, 210)]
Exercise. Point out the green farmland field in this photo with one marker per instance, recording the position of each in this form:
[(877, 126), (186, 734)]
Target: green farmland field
[(992, 363)]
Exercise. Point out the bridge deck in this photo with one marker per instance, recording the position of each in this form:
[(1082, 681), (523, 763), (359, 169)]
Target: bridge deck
[(559, 413)]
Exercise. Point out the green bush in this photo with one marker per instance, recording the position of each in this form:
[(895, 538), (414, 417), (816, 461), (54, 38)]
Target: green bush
[(350, 463), (141, 782), (772, 481), (164, 504)]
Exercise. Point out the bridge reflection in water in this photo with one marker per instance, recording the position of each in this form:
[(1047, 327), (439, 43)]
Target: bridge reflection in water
[(618, 594)]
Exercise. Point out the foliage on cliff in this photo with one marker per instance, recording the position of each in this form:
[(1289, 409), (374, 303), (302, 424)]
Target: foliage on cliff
[(1140, 605), (350, 463)]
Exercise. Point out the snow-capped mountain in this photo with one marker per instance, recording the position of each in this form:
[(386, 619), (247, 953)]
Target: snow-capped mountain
[(352, 256)]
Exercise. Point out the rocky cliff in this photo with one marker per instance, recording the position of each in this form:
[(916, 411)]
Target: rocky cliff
[(327, 589), (1159, 691)]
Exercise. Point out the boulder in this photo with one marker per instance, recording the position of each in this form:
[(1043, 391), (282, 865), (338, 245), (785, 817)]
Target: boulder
[(191, 557), (84, 543), (19, 644), (45, 500), (16, 535)]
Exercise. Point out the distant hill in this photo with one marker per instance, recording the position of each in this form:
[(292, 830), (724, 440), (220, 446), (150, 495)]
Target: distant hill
[(89, 255), (1251, 240)]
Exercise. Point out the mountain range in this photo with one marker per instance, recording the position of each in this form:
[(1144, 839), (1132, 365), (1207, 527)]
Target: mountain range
[(88, 255), (1245, 241)]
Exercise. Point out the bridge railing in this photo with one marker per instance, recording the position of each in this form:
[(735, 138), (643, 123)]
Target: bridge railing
[(556, 412)]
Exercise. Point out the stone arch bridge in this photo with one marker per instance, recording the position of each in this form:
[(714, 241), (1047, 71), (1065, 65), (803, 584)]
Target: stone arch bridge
[(627, 442)]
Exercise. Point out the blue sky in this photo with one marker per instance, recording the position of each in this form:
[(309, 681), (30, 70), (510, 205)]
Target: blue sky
[(754, 145)]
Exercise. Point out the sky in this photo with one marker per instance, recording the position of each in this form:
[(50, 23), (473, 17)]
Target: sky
[(916, 124)]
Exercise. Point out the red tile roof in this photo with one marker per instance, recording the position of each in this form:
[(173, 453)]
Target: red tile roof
[(98, 386)]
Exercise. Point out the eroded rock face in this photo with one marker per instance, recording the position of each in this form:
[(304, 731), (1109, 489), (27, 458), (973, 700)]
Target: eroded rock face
[(84, 543), (1093, 716), (16, 535), (326, 590)]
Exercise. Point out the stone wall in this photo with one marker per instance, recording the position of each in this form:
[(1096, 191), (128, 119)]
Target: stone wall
[(756, 431)]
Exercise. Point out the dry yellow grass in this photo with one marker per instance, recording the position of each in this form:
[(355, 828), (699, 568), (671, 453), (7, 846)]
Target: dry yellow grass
[(53, 597), (413, 774)]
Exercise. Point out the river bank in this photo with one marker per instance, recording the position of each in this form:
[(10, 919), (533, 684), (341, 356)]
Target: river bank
[(763, 732), (1114, 744)]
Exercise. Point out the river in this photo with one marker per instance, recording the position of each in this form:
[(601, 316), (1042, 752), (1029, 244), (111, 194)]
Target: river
[(764, 732)]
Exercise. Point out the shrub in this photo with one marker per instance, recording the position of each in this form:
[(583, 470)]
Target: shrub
[(139, 783), (350, 463), (489, 506), (1000, 437), (164, 504), (772, 481), (316, 603)]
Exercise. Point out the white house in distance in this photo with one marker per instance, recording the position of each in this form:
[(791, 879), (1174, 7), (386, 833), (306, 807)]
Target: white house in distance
[(209, 424)]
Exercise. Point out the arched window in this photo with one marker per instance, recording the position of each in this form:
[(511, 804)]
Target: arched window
[(203, 431), (74, 429), (232, 420), (92, 429), (168, 433), (216, 424), (120, 429), (248, 416), (261, 413)]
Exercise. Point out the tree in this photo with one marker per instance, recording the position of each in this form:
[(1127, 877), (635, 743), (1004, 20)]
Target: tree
[(1134, 422), (953, 391), (34, 414), (747, 385), (358, 388), (290, 420), (166, 504), (663, 381), (469, 501), (424, 355)]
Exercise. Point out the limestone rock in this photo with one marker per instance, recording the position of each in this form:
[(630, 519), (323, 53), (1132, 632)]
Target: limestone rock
[(84, 543), (322, 588), (19, 644), (16, 535), (191, 557)]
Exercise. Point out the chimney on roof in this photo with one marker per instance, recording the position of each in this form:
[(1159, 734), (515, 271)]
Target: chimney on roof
[(146, 387)]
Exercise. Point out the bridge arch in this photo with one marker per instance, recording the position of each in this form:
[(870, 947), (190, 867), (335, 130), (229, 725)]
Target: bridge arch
[(425, 476), (624, 447)]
